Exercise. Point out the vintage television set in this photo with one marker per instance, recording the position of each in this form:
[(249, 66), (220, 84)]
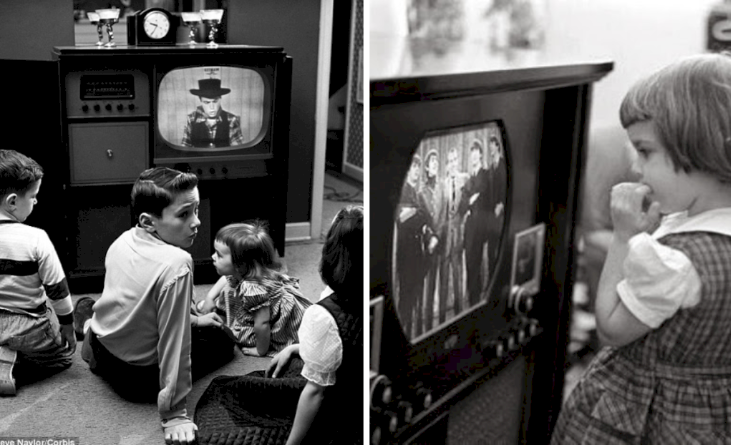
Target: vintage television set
[(472, 244), (128, 108)]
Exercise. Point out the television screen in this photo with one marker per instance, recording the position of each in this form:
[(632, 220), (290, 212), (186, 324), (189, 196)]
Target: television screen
[(212, 109), (448, 226)]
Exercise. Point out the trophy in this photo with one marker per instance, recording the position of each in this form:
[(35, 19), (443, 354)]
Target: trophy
[(192, 19), (212, 17), (94, 20), (109, 17)]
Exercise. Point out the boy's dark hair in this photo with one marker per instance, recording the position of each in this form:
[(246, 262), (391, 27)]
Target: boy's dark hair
[(17, 172), (341, 266), (156, 188), (252, 249)]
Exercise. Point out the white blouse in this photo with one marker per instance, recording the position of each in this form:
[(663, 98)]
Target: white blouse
[(320, 345), (659, 280)]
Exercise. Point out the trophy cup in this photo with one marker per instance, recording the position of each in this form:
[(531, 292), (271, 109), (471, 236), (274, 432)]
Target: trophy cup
[(192, 19), (109, 17), (212, 17), (94, 20)]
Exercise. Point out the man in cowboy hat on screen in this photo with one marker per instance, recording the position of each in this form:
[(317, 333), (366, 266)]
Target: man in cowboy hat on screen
[(209, 125)]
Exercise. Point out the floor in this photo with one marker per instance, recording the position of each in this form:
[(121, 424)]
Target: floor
[(77, 404)]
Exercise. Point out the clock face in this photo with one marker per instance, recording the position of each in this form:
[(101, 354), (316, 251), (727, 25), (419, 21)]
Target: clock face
[(156, 25)]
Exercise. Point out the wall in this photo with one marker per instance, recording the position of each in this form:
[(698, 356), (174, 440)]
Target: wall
[(294, 25), (353, 159), (640, 36), (28, 34)]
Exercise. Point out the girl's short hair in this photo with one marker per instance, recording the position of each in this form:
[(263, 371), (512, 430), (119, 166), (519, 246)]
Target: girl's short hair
[(252, 249), (689, 103), (341, 265), (156, 189)]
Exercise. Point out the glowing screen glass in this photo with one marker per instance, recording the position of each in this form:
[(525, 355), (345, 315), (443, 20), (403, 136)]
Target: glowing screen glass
[(448, 226), (211, 108)]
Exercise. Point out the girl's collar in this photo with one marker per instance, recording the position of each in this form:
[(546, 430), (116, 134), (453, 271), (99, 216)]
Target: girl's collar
[(713, 221)]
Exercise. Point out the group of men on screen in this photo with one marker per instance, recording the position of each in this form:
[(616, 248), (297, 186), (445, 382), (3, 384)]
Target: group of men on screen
[(445, 225)]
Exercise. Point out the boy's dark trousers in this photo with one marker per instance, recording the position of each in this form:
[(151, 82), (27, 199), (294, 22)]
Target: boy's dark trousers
[(210, 350)]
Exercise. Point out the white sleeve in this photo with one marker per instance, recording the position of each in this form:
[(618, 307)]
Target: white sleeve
[(320, 346), (658, 281)]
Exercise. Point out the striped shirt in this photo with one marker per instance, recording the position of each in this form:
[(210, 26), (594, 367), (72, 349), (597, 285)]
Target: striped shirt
[(30, 272), (242, 300)]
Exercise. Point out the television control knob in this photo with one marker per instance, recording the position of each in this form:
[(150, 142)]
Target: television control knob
[(391, 421), (97, 107), (212, 171), (405, 411), (108, 107), (131, 106), (224, 170), (381, 392), (85, 107), (120, 107), (511, 345), (533, 328), (521, 336), (424, 397), (376, 436), (200, 171)]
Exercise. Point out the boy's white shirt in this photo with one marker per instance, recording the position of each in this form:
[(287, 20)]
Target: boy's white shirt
[(660, 280)]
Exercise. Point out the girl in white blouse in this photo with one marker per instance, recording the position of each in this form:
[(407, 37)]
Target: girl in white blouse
[(330, 408), (664, 297)]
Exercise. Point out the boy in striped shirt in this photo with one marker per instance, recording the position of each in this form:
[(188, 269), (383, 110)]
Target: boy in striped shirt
[(31, 333)]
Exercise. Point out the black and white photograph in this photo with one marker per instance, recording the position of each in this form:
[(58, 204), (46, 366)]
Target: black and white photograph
[(448, 225), (211, 108), (528, 259)]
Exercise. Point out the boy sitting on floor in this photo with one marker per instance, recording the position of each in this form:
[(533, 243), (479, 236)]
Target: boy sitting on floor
[(30, 271)]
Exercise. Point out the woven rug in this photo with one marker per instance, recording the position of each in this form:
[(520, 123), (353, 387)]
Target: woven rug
[(250, 409)]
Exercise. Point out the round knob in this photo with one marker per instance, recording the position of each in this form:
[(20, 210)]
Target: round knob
[(499, 349), (212, 171), (85, 107), (120, 107), (376, 436), (381, 392), (405, 411), (423, 396), (533, 328), (224, 170), (131, 106), (200, 171), (391, 421), (97, 107), (521, 336), (108, 107), (110, 153), (511, 342)]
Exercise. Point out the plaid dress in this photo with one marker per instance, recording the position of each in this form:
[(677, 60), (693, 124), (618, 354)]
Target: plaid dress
[(240, 300), (673, 385)]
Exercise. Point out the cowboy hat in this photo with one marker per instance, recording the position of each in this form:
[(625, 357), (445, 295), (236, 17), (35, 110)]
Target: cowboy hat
[(210, 88)]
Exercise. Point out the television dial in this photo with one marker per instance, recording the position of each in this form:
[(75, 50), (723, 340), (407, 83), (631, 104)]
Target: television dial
[(85, 108), (108, 107), (120, 107), (97, 107), (131, 106)]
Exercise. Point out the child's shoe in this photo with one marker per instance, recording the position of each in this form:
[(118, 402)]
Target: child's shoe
[(7, 361), (82, 312)]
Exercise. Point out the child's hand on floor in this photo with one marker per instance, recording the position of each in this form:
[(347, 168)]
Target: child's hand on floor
[(251, 351)]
